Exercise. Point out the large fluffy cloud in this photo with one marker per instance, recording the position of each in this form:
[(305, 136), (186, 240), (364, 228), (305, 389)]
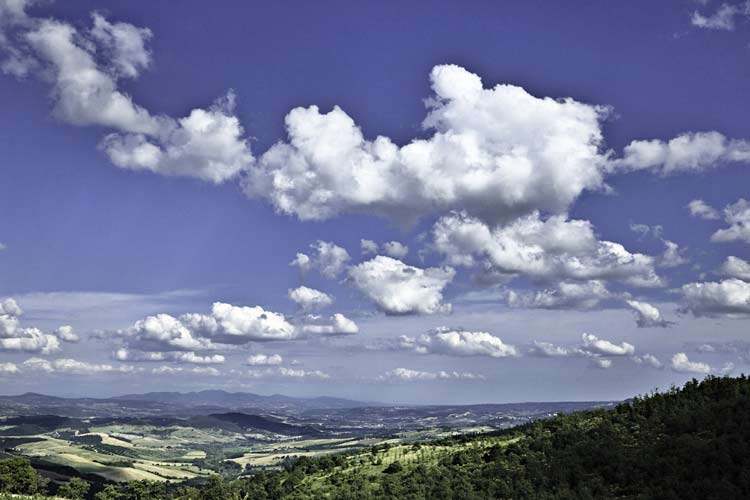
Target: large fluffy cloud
[(397, 288), (207, 144), (30, 340), (226, 324), (84, 68), (232, 324), (497, 152), (84, 93), (13, 337), (458, 342), (552, 249), (728, 298), (163, 332)]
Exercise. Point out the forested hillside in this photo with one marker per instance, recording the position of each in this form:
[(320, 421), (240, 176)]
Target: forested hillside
[(692, 442)]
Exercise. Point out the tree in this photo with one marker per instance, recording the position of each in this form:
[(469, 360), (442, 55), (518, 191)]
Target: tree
[(109, 492), (18, 476), (215, 489), (74, 489), (393, 468)]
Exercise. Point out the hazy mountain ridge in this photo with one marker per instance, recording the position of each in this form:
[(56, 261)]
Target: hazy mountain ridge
[(177, 403)]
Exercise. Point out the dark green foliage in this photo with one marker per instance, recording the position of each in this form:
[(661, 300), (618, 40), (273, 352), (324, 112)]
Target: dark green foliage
[(75, 489), (394, 468), (18, 476), (135, 490)]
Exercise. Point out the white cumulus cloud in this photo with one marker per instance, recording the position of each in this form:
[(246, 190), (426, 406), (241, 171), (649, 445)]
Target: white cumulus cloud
[(8, 368), (728, 298), (723, 18), (264, 360), (497, 152), (13, 337), (125, 45), (336, 324), (647, 315), (84, 69), (605, 347), (310, 299), (368, 247), (690, 152), (650, 360), (734, 267), (327, 257), (67, 334), (681, 363), (73, 366), (283, 372), (459, 342), (409, 375), (395, 249), (737, 215), (701, 209), (230, 324), (564, 295), (397, 288), (554, 249)]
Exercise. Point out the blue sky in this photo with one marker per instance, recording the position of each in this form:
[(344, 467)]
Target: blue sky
[(569, 181)]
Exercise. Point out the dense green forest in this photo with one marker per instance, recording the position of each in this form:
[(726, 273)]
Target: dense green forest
[(686, 443)]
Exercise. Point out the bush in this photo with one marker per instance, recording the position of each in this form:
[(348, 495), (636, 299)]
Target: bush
[(393, 468), (18, 476), (75, 489)]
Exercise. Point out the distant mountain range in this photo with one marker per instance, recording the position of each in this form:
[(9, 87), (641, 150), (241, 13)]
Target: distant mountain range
[(230, 422), (242, 412), (171, 403), (242, 399)]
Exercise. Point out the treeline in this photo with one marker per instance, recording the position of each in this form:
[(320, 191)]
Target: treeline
[(688, 443)]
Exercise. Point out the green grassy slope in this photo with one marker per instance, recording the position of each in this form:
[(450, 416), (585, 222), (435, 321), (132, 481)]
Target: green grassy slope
[(688, 443)]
